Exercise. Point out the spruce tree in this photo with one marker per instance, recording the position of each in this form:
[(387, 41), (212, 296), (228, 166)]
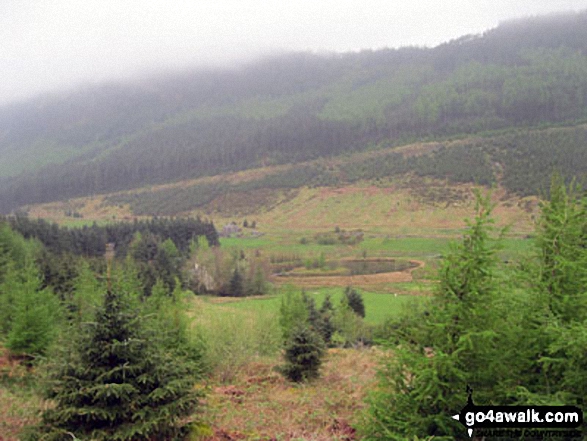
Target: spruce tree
[(354, 300), (555, 338), (14, 249), (314, 319), (236, 288), (167, 318), (86, 297), (29, 315), (34, 322), (304, 351), (292, 311), (455, 346), (562, 243), (326, 326), (116, 383)]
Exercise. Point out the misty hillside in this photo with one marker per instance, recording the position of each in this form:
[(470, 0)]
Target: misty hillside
[(298, 107)]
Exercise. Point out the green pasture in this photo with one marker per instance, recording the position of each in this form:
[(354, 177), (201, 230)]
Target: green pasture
[(371, 246), (406, 246), (378, 307)]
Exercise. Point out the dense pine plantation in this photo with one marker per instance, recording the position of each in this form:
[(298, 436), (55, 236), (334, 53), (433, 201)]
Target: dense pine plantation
[(521, 162)]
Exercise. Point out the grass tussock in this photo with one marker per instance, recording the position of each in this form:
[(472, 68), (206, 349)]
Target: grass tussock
[(259, 404), (20, 402), (235, 337)]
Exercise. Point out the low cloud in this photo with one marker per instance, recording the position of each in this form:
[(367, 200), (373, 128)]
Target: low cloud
[(62, 43)]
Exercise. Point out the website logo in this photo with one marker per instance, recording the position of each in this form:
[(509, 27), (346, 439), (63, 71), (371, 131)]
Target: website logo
[(552, 419)]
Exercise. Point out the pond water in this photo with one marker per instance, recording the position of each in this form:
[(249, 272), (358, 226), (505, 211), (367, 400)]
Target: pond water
[(349, 268), (364, 267)]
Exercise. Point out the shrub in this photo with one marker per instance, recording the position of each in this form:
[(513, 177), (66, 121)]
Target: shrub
[(349, 328), (232, 339)]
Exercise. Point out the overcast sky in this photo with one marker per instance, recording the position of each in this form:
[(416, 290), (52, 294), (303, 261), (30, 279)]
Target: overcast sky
[(53, 44)]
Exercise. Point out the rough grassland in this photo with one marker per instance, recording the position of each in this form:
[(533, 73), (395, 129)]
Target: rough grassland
[(20, 404), (388, 210), (260, 405)]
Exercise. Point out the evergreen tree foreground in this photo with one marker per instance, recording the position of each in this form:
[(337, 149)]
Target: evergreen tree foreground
[(456, 345), (117, 384), (304, 352), (515, 335)]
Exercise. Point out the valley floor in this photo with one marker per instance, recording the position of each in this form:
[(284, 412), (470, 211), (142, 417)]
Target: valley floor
[(246, 398)]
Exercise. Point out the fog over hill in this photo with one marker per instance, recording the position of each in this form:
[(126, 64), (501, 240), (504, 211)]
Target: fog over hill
[(59, 45), (294, 107)]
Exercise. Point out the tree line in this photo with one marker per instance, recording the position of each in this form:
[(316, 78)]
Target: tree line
[(159, 249), (91, 241), (521, 161)]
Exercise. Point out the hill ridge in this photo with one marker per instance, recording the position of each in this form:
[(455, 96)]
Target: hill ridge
[(291, 109)]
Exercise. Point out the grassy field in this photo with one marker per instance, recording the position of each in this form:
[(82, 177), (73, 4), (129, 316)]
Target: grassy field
[(378, 306), (247, 399)]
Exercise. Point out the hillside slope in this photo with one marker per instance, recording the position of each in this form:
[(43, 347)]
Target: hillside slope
[(519, 162), (415, 188), (295, 108)]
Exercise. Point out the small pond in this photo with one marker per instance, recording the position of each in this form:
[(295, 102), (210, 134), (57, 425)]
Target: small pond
[(347, 268), (364, 267)]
